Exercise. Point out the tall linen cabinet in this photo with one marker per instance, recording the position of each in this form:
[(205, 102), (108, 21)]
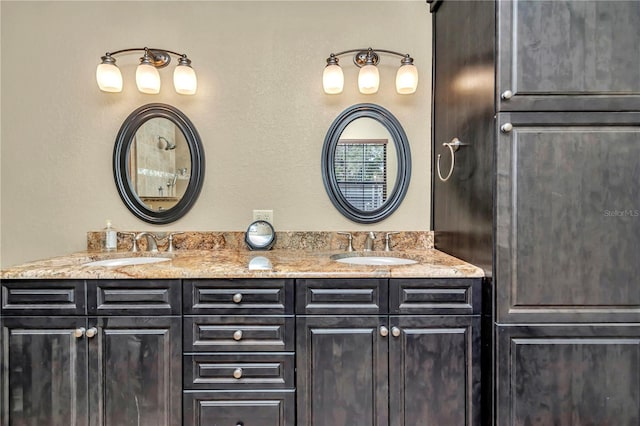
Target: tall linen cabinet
[(544, 97)]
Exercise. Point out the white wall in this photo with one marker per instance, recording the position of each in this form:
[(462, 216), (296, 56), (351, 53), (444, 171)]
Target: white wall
[(260, 111)]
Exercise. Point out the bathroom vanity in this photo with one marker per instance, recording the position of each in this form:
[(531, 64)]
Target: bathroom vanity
[(201, 340)]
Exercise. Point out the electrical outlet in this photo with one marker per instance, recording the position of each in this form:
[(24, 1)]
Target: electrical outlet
[(266, 215)]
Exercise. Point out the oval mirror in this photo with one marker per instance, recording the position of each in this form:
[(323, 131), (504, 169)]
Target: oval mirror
[(158, 163), (366, 163)]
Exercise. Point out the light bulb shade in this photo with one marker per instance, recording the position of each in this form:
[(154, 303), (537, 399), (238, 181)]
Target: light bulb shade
[(407, 79), (368, 79), (332, 79), (185, 80), (109, 77), (148, 79)]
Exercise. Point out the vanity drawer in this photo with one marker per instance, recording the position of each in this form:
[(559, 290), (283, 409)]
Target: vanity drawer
[(239, 334), (252, 296), (341, 296), (43, 297), (435, 296), (239, 371), (223, 408), (133, 297)]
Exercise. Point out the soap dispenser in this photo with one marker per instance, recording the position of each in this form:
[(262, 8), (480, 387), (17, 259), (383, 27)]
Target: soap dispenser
[(109, 238)]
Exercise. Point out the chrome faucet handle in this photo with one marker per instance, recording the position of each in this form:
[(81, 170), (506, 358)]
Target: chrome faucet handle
[(171, 235), (152, 242), (387, 240), (134, 242), (350, 240)]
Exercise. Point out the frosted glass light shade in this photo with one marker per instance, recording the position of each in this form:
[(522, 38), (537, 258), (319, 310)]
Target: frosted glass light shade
[(185, 80), (148, 79), (407, 79), (109, 78), (368, 79), (332, 79)]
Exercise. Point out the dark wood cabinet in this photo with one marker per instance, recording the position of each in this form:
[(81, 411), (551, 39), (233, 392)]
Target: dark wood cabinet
[(569, 375), (239, 343), (85, 369), (419, 368)]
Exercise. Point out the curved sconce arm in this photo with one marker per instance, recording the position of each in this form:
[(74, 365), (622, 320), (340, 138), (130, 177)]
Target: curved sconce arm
[(453, 146), (109, 76), (368, 77)]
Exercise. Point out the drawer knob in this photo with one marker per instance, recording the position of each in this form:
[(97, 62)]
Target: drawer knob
[(237, 335), (237, 298), (384, 331), (79, 332), (506, 127), (506, 95), (395, 331), (91, 332), (237, 373)]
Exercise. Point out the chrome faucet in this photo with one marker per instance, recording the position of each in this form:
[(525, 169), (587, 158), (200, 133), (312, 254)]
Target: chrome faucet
[(368, 243), (152, 242)]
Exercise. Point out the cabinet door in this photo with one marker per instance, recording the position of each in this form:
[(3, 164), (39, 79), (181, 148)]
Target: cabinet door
[(568, 218), (44, 372), (135, 371), (568, 375), (434, 370), (342, 371), (569, 55)]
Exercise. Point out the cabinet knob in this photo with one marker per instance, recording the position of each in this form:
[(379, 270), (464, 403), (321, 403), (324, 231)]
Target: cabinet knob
[(384, 331), (91, 332), (237, 335), (237, 373), (506, 127), (237, 298), (79, 332), (395, 331), (506, 95)]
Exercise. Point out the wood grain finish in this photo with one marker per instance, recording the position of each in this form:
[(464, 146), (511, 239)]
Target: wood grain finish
[(44, 372), (569, 375), (569, 55), (445, 296), (342, 371), (568, 214), (268, 296), (434, 371), (43, 297), (341, 296), (134, 297), (245, 409)]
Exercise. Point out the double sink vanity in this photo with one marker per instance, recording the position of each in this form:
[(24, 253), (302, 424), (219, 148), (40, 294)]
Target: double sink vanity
[(214, 333)]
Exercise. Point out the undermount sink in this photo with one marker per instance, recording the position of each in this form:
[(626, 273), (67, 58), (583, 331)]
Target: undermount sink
[(371, 259), (127, 261)]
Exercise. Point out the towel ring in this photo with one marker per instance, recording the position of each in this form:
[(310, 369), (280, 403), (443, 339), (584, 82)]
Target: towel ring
[(453, 146)]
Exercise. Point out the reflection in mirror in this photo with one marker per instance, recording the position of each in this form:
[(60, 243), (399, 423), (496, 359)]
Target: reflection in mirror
[(366, 163), (260, 235), (159, 164)]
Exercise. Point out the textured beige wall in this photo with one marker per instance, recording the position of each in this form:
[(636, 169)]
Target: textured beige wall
[(260, 111)]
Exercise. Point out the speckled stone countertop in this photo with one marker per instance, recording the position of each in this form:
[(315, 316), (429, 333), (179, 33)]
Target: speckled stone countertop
[(295, 257)]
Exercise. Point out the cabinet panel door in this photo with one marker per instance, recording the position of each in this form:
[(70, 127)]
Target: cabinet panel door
[(44, 374), (568, 218), (434, 370), (135, 371), (568, 375), (569, 55), (342, 371)]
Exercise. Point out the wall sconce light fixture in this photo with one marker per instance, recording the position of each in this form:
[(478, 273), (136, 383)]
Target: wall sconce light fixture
[(368, 77), (147, 77)]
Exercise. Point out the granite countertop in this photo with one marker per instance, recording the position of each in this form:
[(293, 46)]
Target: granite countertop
[(233, 263)]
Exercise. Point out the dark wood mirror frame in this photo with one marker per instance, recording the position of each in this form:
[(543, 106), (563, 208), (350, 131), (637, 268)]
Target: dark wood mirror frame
[(403, 152), (121, 163)]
